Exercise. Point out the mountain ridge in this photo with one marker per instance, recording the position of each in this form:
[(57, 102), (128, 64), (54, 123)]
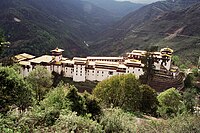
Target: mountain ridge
[(36, 26), (141, 29), (118, 8)]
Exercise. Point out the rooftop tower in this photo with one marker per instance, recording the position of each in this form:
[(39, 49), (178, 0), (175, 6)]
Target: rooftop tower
[(57, 54)]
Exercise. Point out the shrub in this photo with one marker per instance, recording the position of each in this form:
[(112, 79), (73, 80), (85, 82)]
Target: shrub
[(117, 121), (55, 98), (180, 124), (189, 100), (72, 123), (75, 101), (119, 91), (92, 105), (40, 80), (13, 90), (170, 102), (149, 102), (49, 120)]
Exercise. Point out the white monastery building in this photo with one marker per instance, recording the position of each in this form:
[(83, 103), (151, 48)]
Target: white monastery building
[(94, 68)]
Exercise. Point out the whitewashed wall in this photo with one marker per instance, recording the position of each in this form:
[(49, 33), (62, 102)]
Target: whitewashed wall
[(90, 75), (79, 73)]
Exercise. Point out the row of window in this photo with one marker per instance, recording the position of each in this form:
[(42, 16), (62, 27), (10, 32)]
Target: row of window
[(102, 72), (98, 72), (80, 68), (77, 74)]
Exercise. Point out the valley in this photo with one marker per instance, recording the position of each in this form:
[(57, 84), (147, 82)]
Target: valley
[(97, 28), (37, 26), (99, 66)]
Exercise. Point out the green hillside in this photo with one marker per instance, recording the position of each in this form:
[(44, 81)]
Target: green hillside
[(171, 24), (37, 26)]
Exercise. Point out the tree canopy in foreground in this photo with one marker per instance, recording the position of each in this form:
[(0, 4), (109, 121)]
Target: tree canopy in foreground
[(126, 92), (13, 90), (40, 80)]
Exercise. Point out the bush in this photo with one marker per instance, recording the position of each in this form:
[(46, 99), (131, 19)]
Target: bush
[(67, 97), (72, 123), (119, 91), (170, 102), (75, 101), (188, 82), (37, 120), (92, 105), (51, 117), (13, 90), (126, 92), (149, 102), (40, 80), (117, 121), (189, 100), (55, 98), (180, 124)]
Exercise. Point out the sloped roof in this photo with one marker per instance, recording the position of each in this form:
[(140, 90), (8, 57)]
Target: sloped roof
[(167, 49), (57, 50), (139, 51), (24, 56), (79, 59), (104, 58), (44, 58), (68, 62)]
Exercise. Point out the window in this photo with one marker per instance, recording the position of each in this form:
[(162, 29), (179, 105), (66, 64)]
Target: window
[(80, 74), (110, 73), (97, 71), (138, 69)]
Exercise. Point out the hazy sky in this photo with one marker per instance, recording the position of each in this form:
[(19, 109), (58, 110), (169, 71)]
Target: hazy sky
[(141, 1)]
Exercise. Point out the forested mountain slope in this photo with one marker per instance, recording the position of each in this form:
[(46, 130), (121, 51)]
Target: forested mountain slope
[(167, 23), (37, 26)]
